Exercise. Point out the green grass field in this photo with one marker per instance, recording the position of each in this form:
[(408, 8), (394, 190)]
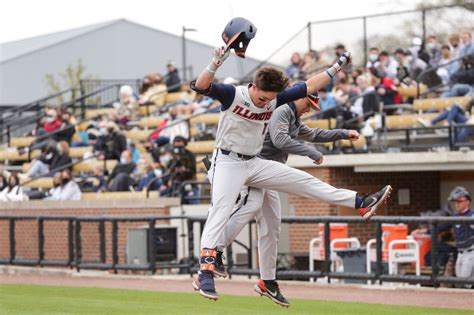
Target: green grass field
[(32, 299)]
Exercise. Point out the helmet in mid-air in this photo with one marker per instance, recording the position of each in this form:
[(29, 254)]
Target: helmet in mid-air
[(237, 35)]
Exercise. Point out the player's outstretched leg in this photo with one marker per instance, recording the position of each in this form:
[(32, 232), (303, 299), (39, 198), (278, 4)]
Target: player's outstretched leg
[(270, 289), (205, 281), (370, 203)]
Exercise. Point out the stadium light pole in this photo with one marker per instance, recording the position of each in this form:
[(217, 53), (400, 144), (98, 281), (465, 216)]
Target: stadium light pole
[(184, 49)]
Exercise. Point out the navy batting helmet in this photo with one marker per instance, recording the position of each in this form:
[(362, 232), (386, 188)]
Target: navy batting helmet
[(458, 193), (237, 34)]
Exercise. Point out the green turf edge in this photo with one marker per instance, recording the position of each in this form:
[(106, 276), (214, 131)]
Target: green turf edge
[(36, 299)]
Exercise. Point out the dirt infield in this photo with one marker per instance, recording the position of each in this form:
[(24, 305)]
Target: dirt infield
[(427, 297)]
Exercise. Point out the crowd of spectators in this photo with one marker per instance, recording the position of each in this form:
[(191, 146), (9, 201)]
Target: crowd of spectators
[(162, 161), (357, 94)]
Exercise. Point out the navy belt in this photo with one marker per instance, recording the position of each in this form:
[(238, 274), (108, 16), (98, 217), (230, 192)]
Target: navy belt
[(242, 156)]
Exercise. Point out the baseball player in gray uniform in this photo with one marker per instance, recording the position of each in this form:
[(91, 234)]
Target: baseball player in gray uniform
[(244, 118)]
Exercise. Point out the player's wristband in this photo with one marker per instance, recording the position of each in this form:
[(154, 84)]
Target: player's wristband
[(212, 68), (332, 71)]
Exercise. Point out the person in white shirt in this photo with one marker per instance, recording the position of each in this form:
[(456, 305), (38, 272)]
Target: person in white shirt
[(13, 191), (68, 190)]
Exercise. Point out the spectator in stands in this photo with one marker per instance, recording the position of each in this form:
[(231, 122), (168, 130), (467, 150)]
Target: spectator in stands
[(434, 50), (309, 65), (53, 192), (403, 75), (132, 147), (154, 90), (182, 167), (328, 104), (455, 115), (13, 191), (465, 75), (173, 81), (387, 66), (154, 153), (111, 143), (147, 175), (369, 101), (53, 157), (345, 93), (171, 128), (293, 71), (386, 88), (126, 109), (451, 68), (468, 46), (146, 84), (51, 124), (3, 182), (67, 129), (418, 58), (454, 45), (121, 179), (69, 190), (373, 58), (459, 202), (355, 74), (99, 180)]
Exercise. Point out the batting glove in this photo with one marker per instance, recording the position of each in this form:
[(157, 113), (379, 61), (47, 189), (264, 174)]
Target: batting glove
[(219, 55), (343, 61)]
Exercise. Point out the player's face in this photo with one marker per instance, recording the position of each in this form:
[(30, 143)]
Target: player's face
[(261, 98), (461, 204), (302, 106)]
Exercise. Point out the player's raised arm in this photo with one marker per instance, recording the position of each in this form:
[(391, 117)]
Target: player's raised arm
[(320, 80), (206, 77)]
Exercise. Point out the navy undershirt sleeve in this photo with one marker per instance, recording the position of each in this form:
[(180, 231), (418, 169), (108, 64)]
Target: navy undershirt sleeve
[(297, 91), (224, 93)]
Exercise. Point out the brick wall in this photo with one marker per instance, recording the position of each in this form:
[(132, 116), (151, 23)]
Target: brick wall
[(424, 194), (56, 233)]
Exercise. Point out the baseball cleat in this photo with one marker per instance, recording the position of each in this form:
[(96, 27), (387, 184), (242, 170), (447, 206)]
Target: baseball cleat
[(271, 290), (371, 202), (205, 285), (219, 268)]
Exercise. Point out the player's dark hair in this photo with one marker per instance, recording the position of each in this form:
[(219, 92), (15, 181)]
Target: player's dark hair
[(270, 80)]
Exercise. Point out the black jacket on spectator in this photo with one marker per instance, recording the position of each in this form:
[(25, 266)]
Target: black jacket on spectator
[(188, 162), (121, 168), (59, 161), (66, 133), (111, 145), (371, 103), (172, 81)]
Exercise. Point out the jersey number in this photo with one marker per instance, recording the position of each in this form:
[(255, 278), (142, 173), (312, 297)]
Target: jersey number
[(264, 128)]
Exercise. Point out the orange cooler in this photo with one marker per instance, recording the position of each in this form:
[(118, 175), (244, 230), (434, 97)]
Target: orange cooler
[(392, 232), (337, 230), (424, 242)]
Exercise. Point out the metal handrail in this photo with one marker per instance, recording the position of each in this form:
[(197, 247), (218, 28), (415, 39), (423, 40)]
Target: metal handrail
[(28, 106)]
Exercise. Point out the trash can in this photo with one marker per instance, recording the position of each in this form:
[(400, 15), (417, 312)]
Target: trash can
[(353, 261)]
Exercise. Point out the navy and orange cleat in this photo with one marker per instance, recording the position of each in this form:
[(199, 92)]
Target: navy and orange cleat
[(371, 202), (270, 289), (204, 283)]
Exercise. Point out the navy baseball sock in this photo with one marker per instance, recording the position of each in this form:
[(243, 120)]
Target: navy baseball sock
[(358, 202)]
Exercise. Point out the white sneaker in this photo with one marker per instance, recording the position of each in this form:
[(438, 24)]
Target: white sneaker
[(424, 122)]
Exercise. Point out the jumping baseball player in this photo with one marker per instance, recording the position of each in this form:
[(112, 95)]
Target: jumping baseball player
[(245, 115)]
